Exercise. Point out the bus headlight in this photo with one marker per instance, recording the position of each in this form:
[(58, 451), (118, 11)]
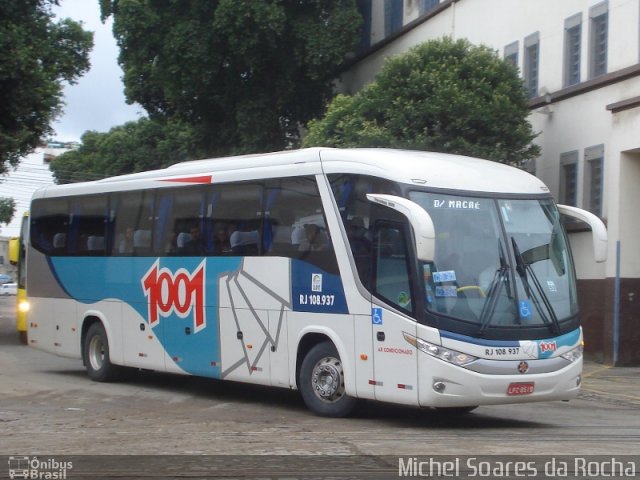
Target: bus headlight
[(437, 351), (24, 306), (573, 355)]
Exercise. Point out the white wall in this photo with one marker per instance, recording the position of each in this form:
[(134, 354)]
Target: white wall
[(31, 174), (629, 228), (575, 123), (497, 23)]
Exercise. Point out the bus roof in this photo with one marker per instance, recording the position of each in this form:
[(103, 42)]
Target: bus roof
[(427, 169), (435, 170)]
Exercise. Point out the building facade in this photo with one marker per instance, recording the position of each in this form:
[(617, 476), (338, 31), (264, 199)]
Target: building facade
[(31, 174), (580, 62)]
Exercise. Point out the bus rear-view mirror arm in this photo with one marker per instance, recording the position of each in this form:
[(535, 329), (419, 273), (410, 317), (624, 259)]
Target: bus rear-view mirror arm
[(598, 230), (420, 220)]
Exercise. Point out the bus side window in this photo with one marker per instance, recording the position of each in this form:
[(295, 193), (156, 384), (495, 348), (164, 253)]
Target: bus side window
[(350, 193), (50, 226), (132, 222), (180, 225), (295, 224), (89, 221), (234, 214)]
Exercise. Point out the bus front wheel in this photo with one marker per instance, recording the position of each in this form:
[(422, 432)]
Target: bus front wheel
[(96, 355), (321, 382)]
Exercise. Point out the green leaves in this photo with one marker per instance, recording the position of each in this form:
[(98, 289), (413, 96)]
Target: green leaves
[(132, 147), (244, 73), (217, 77), (7, 209), (443, 95), (36, 56)]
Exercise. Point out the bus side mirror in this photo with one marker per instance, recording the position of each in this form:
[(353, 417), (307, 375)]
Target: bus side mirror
[(598, 230), (420, 220)]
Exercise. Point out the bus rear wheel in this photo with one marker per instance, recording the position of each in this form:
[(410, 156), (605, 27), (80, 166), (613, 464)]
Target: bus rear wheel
[(96, 355), (321, 382)]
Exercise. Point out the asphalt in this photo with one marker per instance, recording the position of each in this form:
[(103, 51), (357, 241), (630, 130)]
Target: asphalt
[(621, 384), (616, 385)]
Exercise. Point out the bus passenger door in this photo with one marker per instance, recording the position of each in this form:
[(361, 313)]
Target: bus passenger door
[(395, 360)]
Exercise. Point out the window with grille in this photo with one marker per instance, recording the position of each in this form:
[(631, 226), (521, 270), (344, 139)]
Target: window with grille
[(532, 63), (393, 12), (599, 33), (594, 179), (425, 5), (569, 178), (511, 53), (365, 9), (572, 46)]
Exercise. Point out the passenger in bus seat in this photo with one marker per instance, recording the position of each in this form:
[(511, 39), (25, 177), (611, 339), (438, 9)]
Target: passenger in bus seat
[(358, 236), (314, 239), (193, 245), (221, 243), (171, 243), (126, 242)]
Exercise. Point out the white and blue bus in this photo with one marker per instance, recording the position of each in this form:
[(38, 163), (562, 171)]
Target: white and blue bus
[(409, 277)]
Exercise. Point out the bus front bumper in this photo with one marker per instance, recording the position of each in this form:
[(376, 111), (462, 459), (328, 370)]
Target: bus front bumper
[(449, 385)]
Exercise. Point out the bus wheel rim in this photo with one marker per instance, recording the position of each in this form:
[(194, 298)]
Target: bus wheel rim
[(96, 353), (327, 380)]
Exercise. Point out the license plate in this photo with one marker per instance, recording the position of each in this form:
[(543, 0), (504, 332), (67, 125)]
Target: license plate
[(520, 388)]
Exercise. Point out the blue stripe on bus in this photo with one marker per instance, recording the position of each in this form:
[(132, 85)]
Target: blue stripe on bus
[(89, 280), (479, 341), (92, 279), (566, 340)]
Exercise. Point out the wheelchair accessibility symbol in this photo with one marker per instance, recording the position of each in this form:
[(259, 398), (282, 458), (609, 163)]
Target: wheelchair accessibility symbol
[(376, 316), (525, 309)]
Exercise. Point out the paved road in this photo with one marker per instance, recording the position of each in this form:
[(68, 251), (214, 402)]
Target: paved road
[(49, 406)]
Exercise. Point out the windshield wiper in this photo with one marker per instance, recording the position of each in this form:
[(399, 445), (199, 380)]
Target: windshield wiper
[(493, 294), (523, 268)]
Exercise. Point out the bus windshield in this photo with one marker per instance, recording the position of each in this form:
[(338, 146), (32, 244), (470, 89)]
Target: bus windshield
[(498, 264)]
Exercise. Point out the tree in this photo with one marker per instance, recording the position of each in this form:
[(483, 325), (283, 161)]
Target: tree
[(443, 95), (133, 147), (244, 73), (7, 209), (36, 56)]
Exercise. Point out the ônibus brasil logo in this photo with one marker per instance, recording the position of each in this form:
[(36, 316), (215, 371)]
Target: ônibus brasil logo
[(181, 293)]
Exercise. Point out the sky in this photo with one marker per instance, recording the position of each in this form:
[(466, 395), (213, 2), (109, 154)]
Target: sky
[(97, 101)]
